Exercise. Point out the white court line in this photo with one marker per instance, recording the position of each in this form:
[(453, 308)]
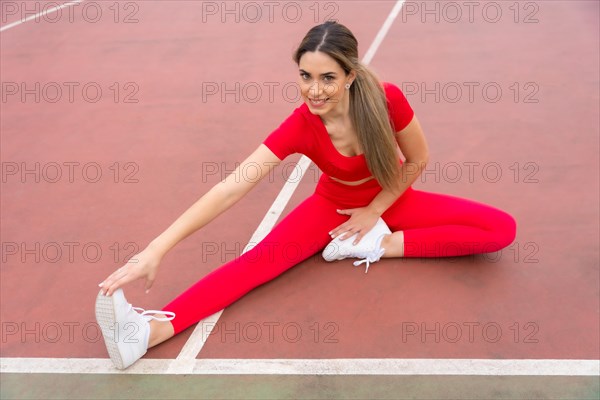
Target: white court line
[(341, 366), (382, 32), (193, 346), (46, 12), (195, 343)]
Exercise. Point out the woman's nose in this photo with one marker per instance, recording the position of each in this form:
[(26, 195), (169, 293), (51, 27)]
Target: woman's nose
[(315, 89)]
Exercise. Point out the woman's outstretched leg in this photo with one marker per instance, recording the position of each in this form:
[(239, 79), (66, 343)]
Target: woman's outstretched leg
[(301, 234), (128, 334), (429, 224)]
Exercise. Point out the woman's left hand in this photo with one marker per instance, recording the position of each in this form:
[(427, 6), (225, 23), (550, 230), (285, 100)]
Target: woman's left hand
[(361, 221)]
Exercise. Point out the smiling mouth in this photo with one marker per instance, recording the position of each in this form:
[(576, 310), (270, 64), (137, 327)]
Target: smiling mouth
[(318, 102)]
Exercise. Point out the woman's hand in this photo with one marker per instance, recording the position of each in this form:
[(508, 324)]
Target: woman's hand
[(142, 265), (361, 221)]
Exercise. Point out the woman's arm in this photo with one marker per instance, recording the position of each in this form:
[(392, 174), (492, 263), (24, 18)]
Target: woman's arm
[(413, 146), (218, 199)]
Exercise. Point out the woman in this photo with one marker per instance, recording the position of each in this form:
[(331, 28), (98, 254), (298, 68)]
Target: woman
[(352, 127)]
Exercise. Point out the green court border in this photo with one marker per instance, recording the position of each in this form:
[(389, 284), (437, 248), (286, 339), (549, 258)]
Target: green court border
[(117, 386)]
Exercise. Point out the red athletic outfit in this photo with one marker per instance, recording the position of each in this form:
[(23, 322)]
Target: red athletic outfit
[(434, 225)]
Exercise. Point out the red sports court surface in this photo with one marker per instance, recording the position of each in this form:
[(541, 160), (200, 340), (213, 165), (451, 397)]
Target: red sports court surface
[(116, 117)]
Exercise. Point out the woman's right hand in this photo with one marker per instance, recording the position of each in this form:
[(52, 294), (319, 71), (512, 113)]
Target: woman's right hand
[(142, 265)]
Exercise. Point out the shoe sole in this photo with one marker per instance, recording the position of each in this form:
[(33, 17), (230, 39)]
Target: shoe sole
[(105, 316)]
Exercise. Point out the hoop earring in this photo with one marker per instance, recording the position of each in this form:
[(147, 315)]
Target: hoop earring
[(347, 86)]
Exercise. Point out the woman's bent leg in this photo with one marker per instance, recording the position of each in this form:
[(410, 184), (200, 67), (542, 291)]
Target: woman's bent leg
[(302, 233), (439, 225)]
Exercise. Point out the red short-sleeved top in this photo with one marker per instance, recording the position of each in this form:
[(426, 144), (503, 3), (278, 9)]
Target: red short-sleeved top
[(304, 132)]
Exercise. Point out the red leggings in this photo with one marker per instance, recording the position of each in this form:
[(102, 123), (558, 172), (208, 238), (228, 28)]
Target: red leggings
[(434, 225)]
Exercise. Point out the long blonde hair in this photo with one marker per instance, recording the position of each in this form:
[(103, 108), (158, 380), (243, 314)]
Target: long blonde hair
[(368, 107)]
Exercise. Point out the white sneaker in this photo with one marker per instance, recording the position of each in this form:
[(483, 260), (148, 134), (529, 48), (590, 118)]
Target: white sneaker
[(126, 332), (369, 247)]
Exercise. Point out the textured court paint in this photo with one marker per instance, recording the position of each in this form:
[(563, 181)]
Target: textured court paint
[(49, 386), (470, 277)]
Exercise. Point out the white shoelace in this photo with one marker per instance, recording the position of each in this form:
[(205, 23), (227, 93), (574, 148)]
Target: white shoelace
[(369, 258), (147, 314)]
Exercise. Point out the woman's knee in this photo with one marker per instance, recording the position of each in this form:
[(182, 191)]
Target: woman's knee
[(505, 230)]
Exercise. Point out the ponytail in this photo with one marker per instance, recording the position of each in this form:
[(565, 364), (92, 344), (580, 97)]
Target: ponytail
[(369, 115)]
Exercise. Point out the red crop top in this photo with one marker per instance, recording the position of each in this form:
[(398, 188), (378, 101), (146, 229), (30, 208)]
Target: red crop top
[(304, 132)]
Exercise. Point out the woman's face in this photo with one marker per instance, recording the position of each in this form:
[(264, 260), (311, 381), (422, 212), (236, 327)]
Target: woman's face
[(322, 82)]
